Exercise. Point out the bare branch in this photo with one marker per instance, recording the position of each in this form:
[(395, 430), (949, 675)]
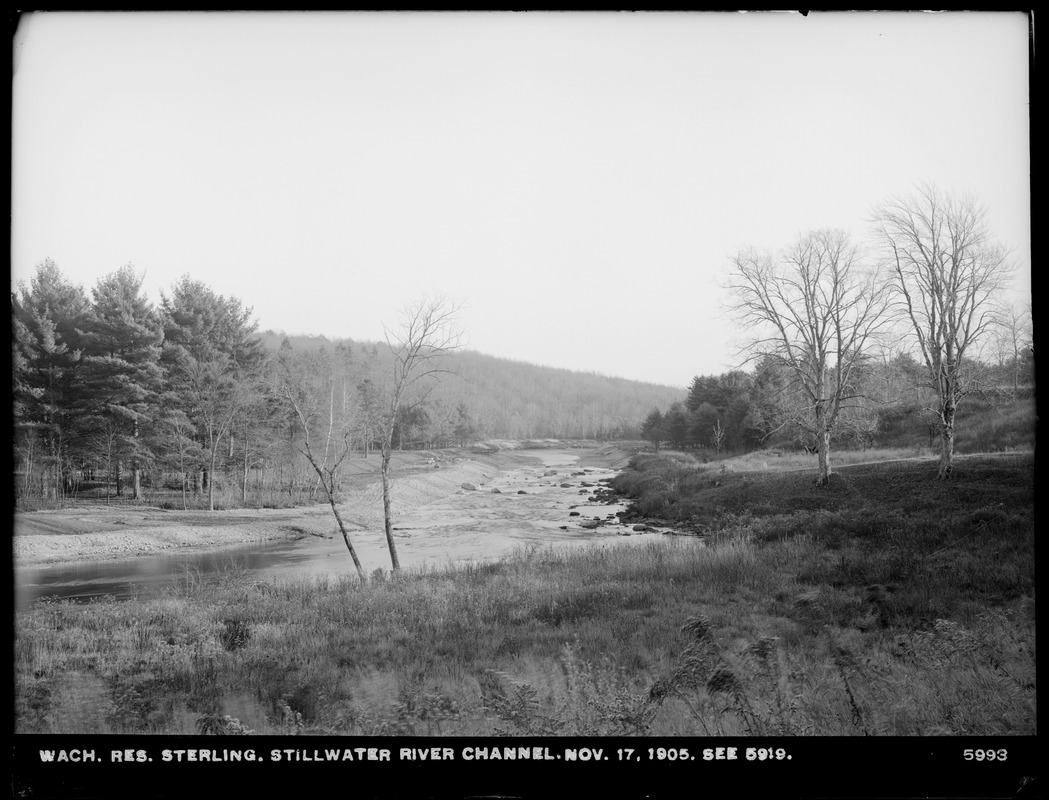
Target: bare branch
[(430, 331), (815, 310), (947, 275)]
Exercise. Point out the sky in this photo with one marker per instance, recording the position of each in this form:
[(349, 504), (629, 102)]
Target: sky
[(577, 181)]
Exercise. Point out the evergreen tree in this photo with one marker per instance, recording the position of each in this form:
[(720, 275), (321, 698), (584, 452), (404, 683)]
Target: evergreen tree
[(120, 376), (212, 358), (702, 421), (48, 317), (675, 424), (465, 427), (652, 428)]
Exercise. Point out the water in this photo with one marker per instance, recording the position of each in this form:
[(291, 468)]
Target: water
[(84, 581)]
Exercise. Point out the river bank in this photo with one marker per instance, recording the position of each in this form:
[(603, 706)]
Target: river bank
[(421, 479)]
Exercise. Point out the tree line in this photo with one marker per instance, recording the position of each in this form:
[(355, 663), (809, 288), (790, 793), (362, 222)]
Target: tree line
[(119, 396), (110, 387), (839, 340)]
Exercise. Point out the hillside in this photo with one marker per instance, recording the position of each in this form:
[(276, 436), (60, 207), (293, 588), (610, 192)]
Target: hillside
[(517, 400)]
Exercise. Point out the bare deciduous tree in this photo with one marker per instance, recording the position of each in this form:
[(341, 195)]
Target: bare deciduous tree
[(948, 272), (107, 445), (315, 407), (1015, 338), (429, 332), (178, 437), (216, 391), (717, 438), (814, 311)]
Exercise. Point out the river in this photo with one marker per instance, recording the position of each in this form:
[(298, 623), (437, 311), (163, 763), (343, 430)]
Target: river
[(519, 508)]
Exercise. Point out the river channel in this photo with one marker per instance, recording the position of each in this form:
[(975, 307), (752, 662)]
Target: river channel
[(530, 507)]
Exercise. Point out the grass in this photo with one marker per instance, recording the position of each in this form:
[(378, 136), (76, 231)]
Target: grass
[(886, 603), (982, 424)]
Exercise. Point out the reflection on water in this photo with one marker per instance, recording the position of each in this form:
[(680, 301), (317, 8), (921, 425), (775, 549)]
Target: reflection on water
[(86, 580)]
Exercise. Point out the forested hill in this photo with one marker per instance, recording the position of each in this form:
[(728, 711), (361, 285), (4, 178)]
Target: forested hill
[(508, 399)]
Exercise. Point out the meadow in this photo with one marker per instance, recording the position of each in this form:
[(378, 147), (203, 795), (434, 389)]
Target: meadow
[(886, 603)]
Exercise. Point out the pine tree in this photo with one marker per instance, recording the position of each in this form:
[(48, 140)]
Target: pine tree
[(47, 317), (212, 358), (121, 377)]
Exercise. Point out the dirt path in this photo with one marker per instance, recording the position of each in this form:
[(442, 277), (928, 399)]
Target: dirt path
[(420, 481)]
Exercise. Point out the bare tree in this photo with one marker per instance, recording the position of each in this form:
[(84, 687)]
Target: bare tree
[(178, 437), (948, 273), (316, 409), (717, 438), (107, 445), (814, 311), (216, 393), (1015, 338), (429, 332)]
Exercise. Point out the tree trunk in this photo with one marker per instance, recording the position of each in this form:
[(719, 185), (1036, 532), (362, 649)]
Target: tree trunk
[(947, 440), (136, 471), (386, 453), (244, 477), (338, 519), (346, 537), (822, 445), (210, 475), (109, 474), (29, 468), (823, 474)]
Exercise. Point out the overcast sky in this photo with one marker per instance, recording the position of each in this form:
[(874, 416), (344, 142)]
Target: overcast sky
[(579, 181)]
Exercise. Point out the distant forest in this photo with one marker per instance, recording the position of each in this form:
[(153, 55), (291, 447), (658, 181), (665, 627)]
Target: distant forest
[(892, 406), (113, 391)]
